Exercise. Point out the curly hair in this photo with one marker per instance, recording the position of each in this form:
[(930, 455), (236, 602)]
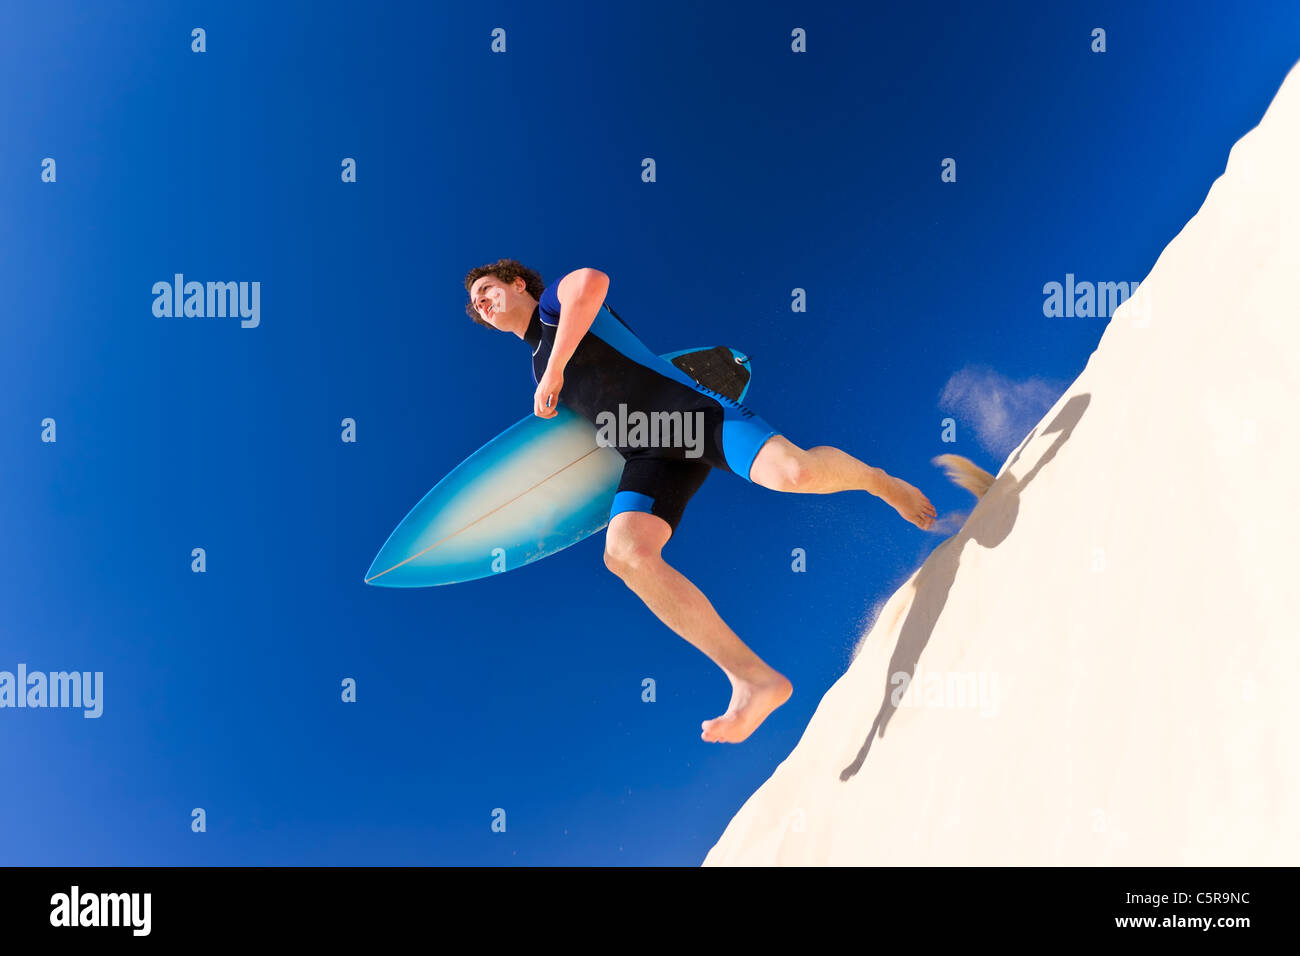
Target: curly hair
[(507, 270)]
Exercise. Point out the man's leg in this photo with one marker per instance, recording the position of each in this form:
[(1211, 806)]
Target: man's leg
[(632, 551), (783, 466)]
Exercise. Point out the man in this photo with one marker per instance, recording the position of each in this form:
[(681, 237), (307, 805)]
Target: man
[(584, 353)]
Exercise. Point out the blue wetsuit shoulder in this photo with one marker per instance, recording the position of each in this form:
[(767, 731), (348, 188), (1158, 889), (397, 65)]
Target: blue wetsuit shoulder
[(549, 305)]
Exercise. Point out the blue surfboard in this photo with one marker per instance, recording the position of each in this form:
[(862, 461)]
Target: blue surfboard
[(538, 487)]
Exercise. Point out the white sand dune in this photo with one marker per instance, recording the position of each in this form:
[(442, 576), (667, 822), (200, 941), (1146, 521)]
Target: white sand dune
[(1104, 659)]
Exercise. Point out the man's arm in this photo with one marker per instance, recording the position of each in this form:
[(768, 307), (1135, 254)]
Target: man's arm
[(581, 294)]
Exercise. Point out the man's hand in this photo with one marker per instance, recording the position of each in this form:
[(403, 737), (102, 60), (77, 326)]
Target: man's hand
[(546, 399)]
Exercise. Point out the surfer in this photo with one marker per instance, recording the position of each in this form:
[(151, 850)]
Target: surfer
[(581, 348)]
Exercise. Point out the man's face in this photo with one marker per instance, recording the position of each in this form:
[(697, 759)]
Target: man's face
[(491, 297)]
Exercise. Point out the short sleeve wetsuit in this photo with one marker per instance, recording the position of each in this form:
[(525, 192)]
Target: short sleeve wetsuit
[(612, 367)]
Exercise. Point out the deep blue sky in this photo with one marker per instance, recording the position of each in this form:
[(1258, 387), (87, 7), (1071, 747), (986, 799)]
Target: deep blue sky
[(775, 171)]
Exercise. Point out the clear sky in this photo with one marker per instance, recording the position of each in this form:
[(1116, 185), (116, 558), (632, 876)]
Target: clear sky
[(775, 171)]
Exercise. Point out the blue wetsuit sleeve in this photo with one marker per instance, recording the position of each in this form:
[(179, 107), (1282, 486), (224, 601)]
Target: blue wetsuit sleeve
[(549, 303)]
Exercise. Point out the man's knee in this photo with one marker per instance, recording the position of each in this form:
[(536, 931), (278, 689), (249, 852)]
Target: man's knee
[(628, 556), (798, 472), (634, 544), (784, 467)]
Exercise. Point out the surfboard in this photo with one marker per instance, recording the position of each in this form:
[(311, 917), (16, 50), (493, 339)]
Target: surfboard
[(540, 486)]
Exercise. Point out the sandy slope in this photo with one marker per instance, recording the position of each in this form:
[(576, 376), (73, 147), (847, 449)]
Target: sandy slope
[(1125, 596)]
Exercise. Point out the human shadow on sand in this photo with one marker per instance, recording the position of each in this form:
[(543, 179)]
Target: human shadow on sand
[(989, 524)]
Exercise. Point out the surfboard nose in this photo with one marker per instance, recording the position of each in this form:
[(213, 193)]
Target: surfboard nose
[(393, 569), (396, 561), (376, 571), (375, 575)]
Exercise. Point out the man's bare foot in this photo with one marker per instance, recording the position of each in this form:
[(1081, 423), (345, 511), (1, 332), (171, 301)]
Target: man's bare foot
[(750, 704), (908, 502)]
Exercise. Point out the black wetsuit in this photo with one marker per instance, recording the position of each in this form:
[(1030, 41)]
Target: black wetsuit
[(610, 368)]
